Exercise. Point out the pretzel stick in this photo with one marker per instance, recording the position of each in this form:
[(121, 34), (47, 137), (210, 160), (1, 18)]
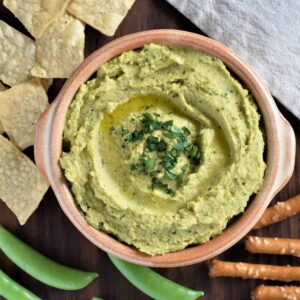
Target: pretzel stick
[(255, 244), (279, 212), (263, 292), (267, 272)]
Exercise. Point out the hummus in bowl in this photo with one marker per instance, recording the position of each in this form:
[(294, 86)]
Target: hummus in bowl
[(163, 148)]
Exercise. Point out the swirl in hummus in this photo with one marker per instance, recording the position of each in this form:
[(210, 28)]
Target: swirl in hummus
[(163, 148)]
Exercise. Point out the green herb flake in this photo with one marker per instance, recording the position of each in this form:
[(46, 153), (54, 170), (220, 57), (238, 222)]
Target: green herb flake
[(135, 136), (186, 131), (154, 173), (176, 130), (168, 162), (181, 145), (161, 146), (180, 177), (151, 142), (134, 167), (168, 134), (149, 123), (112, 130), (194, 154), (171, 192), (167, 124), (173, 132), (123, 131), (170, 175), (150, 163), (157, 183)]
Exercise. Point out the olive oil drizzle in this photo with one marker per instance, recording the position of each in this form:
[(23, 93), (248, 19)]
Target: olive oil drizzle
[(160, 168)]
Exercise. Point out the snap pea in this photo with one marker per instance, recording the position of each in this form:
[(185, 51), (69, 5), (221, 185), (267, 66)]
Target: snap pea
[(96, 298), (153, 284), (40, 267), (11, 290)]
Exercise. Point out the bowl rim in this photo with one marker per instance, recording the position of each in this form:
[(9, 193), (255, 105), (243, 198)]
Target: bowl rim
[(234, 232)]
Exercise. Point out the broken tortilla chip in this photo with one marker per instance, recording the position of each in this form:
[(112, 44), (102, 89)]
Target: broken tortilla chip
[(22, 187), (20, 108), (2, 88), (36, 15), (103, 15), (17, 55), (60, 49)]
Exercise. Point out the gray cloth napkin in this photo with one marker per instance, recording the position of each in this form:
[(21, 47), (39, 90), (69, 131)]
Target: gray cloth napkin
[(266, 34)]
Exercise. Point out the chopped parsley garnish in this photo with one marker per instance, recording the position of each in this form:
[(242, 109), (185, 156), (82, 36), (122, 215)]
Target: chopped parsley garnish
[(162, 153)]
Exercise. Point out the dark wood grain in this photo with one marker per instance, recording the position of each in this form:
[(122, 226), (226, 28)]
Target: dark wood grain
[(49, 231)]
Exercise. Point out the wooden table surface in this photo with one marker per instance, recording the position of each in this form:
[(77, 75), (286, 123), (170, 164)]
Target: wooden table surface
[(50, 232)]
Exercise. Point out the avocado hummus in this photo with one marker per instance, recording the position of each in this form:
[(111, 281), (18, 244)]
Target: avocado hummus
[(163, 148)]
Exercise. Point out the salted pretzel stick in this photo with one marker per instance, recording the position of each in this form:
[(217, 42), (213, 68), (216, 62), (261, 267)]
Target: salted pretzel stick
[(255, 244), (263, 292), (279, 212), (220, 268)]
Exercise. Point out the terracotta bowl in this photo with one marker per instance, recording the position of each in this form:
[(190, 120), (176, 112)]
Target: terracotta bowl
[(280, 148)]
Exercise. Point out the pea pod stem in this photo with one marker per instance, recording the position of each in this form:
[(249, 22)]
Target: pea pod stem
[(40, 267), (11, 290), (153, 284)]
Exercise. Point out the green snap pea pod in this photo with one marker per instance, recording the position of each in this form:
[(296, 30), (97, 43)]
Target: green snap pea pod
[(153, 284), (96, 298), (40, 267), (11, 290)]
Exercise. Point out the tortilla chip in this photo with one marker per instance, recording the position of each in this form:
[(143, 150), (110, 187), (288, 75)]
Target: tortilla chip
[(60, 50), (17, 55), (46, 83), (1, 128), (20, 108), (2, 88), (22, 187), (36, 15), (103, 15)]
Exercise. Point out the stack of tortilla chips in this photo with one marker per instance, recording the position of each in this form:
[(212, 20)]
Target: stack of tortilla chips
[(22, 187), (27, 69)]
